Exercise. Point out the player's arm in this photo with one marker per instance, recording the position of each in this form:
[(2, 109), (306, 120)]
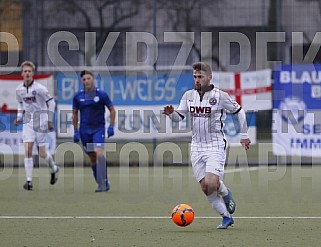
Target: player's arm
[(75, 118), (112, 114), (51, 109), (176, 115), (75, 107), (110, 130), (75, 124), (233, 107), (245, 140), (51, 105), (20, 113)]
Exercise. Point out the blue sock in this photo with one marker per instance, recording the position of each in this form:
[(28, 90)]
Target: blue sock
[(94, 168)]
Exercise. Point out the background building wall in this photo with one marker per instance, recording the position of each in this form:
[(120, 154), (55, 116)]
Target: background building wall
[(36, 21)]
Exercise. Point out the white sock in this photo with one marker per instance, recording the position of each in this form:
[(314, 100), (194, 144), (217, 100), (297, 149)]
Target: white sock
[(222, 189), (28, 168), (218, 204), (51, 162)]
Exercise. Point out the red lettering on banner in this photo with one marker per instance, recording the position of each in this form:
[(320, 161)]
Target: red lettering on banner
[(5, 109)]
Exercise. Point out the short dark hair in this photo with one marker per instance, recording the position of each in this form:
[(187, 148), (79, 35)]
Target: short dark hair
[(201, 66), (86, 72)]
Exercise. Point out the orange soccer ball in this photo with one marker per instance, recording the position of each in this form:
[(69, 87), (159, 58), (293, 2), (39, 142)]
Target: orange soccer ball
[(183, 215)]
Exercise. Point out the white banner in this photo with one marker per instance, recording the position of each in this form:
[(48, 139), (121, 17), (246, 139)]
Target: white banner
[(132, 122), (147, 122), (252, 90)]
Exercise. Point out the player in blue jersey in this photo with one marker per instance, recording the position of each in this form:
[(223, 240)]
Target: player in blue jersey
[(91, 103)]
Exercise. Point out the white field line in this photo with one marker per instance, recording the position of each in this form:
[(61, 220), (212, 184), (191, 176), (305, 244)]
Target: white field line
[(153, 217), (253, 168)]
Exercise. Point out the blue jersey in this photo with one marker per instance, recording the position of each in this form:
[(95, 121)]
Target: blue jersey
[(92, 109)]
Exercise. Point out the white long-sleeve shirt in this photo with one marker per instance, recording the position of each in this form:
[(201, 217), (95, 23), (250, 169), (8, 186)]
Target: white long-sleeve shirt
[(208, 116), (34, 101)]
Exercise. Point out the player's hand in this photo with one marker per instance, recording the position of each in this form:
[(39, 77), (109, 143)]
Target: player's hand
[(17, 121), (76, 135), (50, 126), (169, 109), (110, 131), (245, 143)]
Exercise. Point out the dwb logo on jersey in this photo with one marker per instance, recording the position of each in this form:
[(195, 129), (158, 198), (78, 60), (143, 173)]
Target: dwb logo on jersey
[(29, 99), (200, 111)]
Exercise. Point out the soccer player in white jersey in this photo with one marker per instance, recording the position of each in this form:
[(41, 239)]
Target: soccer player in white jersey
[(207, 106), (35, 110)]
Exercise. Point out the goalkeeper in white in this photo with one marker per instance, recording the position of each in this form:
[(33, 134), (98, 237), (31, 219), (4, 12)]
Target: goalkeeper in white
[(35, 110), (207, 107)]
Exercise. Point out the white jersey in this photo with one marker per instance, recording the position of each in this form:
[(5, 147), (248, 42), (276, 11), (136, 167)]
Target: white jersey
[(34, 100), (208, 117)]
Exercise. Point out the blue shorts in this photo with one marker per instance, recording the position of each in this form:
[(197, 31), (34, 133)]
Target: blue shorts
[(95, 139)]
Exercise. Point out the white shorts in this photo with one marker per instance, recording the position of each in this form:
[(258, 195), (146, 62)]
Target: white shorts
[(30, 134), (212, 161)]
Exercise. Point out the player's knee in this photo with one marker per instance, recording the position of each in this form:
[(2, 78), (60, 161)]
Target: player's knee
[(42, 152), (99, 152), (211, 187), (213, 181), (203, 186), (207, 188), (216, 184), (28, 151)]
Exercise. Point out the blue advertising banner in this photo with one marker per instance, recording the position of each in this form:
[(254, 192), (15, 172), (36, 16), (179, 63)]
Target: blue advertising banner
[(139, 102), (138, 99), (158, 89), (296, 124)]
